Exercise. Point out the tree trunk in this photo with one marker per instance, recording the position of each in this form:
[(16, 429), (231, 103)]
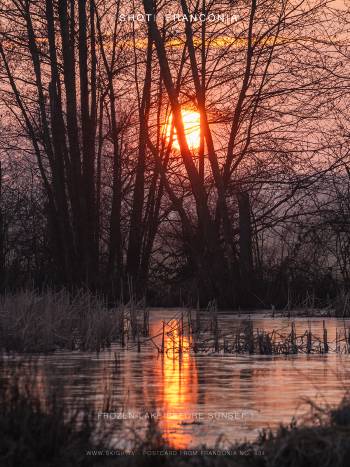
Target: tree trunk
[(245, 245), (2, 237), (115, 260), (136, 228), (74, 169), (88, 139)]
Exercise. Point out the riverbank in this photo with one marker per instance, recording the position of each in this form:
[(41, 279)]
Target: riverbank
[(32, 322)]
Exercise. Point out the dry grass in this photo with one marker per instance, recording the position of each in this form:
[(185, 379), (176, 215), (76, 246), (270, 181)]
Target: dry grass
[(38, 432), (30, 322)]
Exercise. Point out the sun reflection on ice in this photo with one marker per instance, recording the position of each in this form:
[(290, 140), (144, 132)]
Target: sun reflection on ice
[(180, 388)]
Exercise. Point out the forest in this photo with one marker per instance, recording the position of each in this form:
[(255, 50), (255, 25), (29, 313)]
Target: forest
[(176, 150)]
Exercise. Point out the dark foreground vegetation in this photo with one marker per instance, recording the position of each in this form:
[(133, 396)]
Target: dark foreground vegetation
[(40, 432)]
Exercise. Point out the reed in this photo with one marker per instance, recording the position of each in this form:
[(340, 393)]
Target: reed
[(243, 338), (264, 342), (325, 338), (33, 322), (163, 339), (145, 322), (248, 334)]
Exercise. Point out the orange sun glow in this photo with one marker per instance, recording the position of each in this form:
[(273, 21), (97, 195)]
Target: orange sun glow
[(191, 121)]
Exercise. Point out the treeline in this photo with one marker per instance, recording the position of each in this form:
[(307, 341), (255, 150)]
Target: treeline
[(92, 191)]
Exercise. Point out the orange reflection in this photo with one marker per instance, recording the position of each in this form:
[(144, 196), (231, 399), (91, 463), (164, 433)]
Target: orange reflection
[(180, 386)]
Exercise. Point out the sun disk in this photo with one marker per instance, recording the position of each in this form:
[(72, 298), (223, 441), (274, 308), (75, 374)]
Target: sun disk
[(191, 121)]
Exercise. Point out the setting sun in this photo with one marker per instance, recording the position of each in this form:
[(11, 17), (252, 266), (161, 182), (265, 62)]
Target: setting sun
[(191, 121)]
